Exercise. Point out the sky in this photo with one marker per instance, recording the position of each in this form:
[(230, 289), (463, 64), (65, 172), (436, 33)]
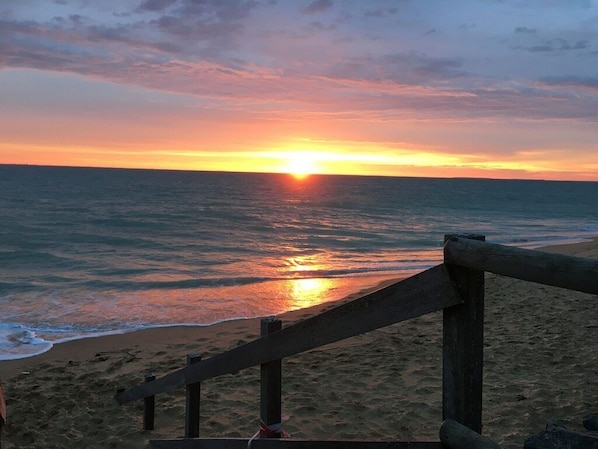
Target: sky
[(476, 88)]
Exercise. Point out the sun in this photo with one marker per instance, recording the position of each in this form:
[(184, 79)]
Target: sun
[(300, 165)]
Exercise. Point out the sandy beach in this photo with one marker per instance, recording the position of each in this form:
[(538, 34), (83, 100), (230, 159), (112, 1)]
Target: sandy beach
[(541, 363)]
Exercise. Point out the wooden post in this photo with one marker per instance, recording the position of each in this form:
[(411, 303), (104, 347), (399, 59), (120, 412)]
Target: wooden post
[(2, 412), (463, 341), (192, 402), (148, 406), (270, 386), (456, 436)]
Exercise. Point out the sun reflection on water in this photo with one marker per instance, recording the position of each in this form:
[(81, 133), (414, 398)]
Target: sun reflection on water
[(306, 287), (307, 292)]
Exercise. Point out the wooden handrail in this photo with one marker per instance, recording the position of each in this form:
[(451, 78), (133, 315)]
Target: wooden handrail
[(574, 273), (426, 292)]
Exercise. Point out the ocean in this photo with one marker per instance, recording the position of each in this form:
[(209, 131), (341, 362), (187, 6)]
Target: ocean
[(88, 251)]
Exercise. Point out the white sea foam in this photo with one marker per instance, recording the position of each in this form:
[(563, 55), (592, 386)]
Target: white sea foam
[(17, 342)]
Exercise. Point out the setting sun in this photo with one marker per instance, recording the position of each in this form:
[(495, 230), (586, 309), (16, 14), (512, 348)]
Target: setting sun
[(301, 164)]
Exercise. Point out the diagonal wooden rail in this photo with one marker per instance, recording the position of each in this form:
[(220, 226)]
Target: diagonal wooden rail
[(426, 292), (574, 273)]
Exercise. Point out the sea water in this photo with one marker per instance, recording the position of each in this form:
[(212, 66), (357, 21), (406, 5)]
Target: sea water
[(86, 251)]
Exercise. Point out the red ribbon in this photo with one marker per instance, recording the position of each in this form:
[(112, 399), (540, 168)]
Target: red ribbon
[(268, 431), (272, 430)]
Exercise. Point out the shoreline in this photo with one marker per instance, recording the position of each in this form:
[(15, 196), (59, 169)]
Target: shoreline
[(41, 341), (80, 348), (576, 248), (539, 364), (382, 279)]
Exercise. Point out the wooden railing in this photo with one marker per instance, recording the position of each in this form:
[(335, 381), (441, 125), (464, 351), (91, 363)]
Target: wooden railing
[(456, 287), (574, 273)]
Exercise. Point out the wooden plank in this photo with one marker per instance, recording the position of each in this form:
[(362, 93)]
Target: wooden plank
[(2, 408), (426, 292), (271, 387), (463, 349), (192, 401), (241, 443), (575, 273), (2, 412), (457, 436), (149, 403)]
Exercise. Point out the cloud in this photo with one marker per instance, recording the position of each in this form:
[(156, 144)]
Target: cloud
[(190, 29), (573, 81), (154, 5), (221, 11), (556, 45), (380, 12), (407, 68), (216, 51), (525, 30), (319, 26), (414, 68), (317, 6)]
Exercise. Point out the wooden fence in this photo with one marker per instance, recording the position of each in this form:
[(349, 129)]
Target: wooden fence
[(456, 287)]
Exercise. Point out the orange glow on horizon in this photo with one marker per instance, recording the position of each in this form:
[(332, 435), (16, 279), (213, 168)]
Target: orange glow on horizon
[(165, 130), (321, 157)]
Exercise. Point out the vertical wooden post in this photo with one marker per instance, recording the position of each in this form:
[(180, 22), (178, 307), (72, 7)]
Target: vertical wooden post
[(270, 386), (463, 341), (149, 404), (192, 402), (2, 412)]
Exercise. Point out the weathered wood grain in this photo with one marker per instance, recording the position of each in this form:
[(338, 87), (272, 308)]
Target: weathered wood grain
[(463, 349), (149, 403), (575, 273), (192, 402), (457, 436), (271, 383)]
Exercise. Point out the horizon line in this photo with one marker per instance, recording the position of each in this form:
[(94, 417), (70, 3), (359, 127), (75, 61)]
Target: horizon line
[(190, 170)]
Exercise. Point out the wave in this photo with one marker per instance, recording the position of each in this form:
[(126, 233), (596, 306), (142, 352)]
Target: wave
[(539, 241), (18, 342), (242, 281), (178, 284), (31, 257)]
